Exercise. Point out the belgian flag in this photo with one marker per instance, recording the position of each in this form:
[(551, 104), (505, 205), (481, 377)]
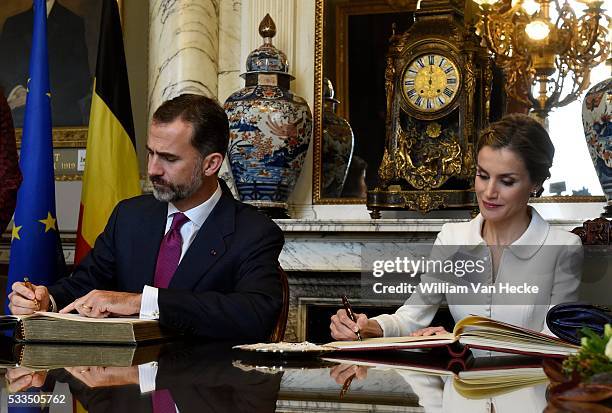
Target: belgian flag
[(111, 166)]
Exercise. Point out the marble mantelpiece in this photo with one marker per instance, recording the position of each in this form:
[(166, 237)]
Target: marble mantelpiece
[(327, 245), (334, 245)]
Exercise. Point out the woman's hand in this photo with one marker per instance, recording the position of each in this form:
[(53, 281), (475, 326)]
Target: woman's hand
[(343, 328), (429, 331), (342, 372)]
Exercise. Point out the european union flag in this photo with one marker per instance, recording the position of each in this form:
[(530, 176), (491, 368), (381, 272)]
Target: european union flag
[(35, 241)]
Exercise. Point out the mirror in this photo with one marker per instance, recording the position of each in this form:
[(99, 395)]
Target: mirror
[(351, 41)]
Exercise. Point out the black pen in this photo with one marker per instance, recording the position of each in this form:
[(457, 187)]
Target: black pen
[(351, 314), (28, 284), (347, 384)]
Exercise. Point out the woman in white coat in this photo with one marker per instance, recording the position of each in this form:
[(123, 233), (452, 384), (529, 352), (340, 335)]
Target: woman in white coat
[(514, 156)]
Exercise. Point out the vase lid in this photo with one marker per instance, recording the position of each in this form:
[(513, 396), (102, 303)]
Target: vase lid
[(267, 58), (328, 91)]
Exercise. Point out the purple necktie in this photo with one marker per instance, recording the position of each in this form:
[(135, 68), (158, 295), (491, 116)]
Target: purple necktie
[(163, 402), (169, 252)]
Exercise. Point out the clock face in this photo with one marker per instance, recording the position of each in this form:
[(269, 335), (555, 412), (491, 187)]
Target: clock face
[(430, 83)]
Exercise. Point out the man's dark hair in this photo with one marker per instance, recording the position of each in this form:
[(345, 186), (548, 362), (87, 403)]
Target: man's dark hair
[(206, 116)]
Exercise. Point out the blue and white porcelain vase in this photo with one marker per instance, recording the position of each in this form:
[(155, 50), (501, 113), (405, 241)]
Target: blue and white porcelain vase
[(270, 129), (597, 122), (338, 142)]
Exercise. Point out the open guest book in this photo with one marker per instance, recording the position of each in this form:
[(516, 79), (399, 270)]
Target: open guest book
[(74, 328), (473, 378), (471, 332)]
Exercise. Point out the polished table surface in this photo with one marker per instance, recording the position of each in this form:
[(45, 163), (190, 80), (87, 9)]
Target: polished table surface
[(213, 377)]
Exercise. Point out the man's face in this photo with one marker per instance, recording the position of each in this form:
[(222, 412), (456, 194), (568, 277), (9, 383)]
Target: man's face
[(175, 167)]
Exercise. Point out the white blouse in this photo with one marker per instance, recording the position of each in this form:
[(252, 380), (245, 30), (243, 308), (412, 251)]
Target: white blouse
[(542, 256)]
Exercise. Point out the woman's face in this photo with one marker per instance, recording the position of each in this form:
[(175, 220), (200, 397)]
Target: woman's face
[(502, 185)]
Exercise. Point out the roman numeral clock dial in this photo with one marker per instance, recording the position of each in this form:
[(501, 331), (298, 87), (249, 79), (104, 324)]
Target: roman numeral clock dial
[(430, 83)]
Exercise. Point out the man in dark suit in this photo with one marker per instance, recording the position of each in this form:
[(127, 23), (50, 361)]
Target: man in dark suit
[(191, 256), (10, 175), (69, 72)]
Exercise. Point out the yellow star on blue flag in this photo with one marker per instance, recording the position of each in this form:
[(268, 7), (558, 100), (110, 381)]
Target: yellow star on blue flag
[(15, 234), (49, 222)]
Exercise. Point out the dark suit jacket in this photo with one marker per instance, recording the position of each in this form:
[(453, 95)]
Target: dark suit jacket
[(69, 71), (10, 175), (226, 286)]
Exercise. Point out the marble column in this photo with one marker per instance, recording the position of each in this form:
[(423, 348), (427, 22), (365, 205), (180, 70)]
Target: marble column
[(230, 64), (184, 49)]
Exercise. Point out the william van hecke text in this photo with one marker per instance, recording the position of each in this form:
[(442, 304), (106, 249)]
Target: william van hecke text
[(448, 288)]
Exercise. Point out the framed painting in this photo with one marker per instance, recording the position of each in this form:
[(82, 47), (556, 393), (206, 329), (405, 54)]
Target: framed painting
[(72, 40)]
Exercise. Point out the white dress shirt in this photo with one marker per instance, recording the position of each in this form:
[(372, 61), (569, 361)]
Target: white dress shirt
[(149, 307)]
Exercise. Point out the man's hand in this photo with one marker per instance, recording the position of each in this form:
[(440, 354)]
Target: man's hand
[(23, 300), (100, 304), (22, 378), (105, 376), (17, 97)]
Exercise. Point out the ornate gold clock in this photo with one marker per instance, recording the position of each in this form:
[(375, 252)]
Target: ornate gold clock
[(430, 83), (438, 83)]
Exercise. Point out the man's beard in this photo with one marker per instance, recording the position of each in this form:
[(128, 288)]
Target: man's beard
[(169, 192)]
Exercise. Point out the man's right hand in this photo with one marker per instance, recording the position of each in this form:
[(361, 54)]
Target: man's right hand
[(22, 300), (22, 378), (343, 328)]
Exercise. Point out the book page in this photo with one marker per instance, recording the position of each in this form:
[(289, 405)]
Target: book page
[(483, 332), (81, 318), (385, 342), (486, 327)]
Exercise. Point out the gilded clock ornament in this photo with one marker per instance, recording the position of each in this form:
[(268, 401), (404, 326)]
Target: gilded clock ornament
[(438, 84), (430, 83)]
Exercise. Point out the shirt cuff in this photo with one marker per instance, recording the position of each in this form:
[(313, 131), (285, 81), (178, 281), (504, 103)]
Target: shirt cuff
[(387, 325), (149, 308), (146, 376), (53, 308)]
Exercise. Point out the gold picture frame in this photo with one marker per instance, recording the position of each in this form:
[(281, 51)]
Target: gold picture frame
[(69, 142), (341, 70), (343, 9)]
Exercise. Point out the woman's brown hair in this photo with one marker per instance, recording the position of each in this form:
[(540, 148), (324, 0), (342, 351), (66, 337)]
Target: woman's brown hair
[(527, 138)]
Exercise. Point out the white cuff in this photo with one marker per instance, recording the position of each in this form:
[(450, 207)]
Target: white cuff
[(146, 376), (387, 325), (54, 308), (149, 308)]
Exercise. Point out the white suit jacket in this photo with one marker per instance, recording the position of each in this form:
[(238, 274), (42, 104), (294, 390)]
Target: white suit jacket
[(544, 256)]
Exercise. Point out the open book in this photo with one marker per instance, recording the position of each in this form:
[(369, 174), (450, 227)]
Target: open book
[(472, 332), (473, 378), (73, 328)]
